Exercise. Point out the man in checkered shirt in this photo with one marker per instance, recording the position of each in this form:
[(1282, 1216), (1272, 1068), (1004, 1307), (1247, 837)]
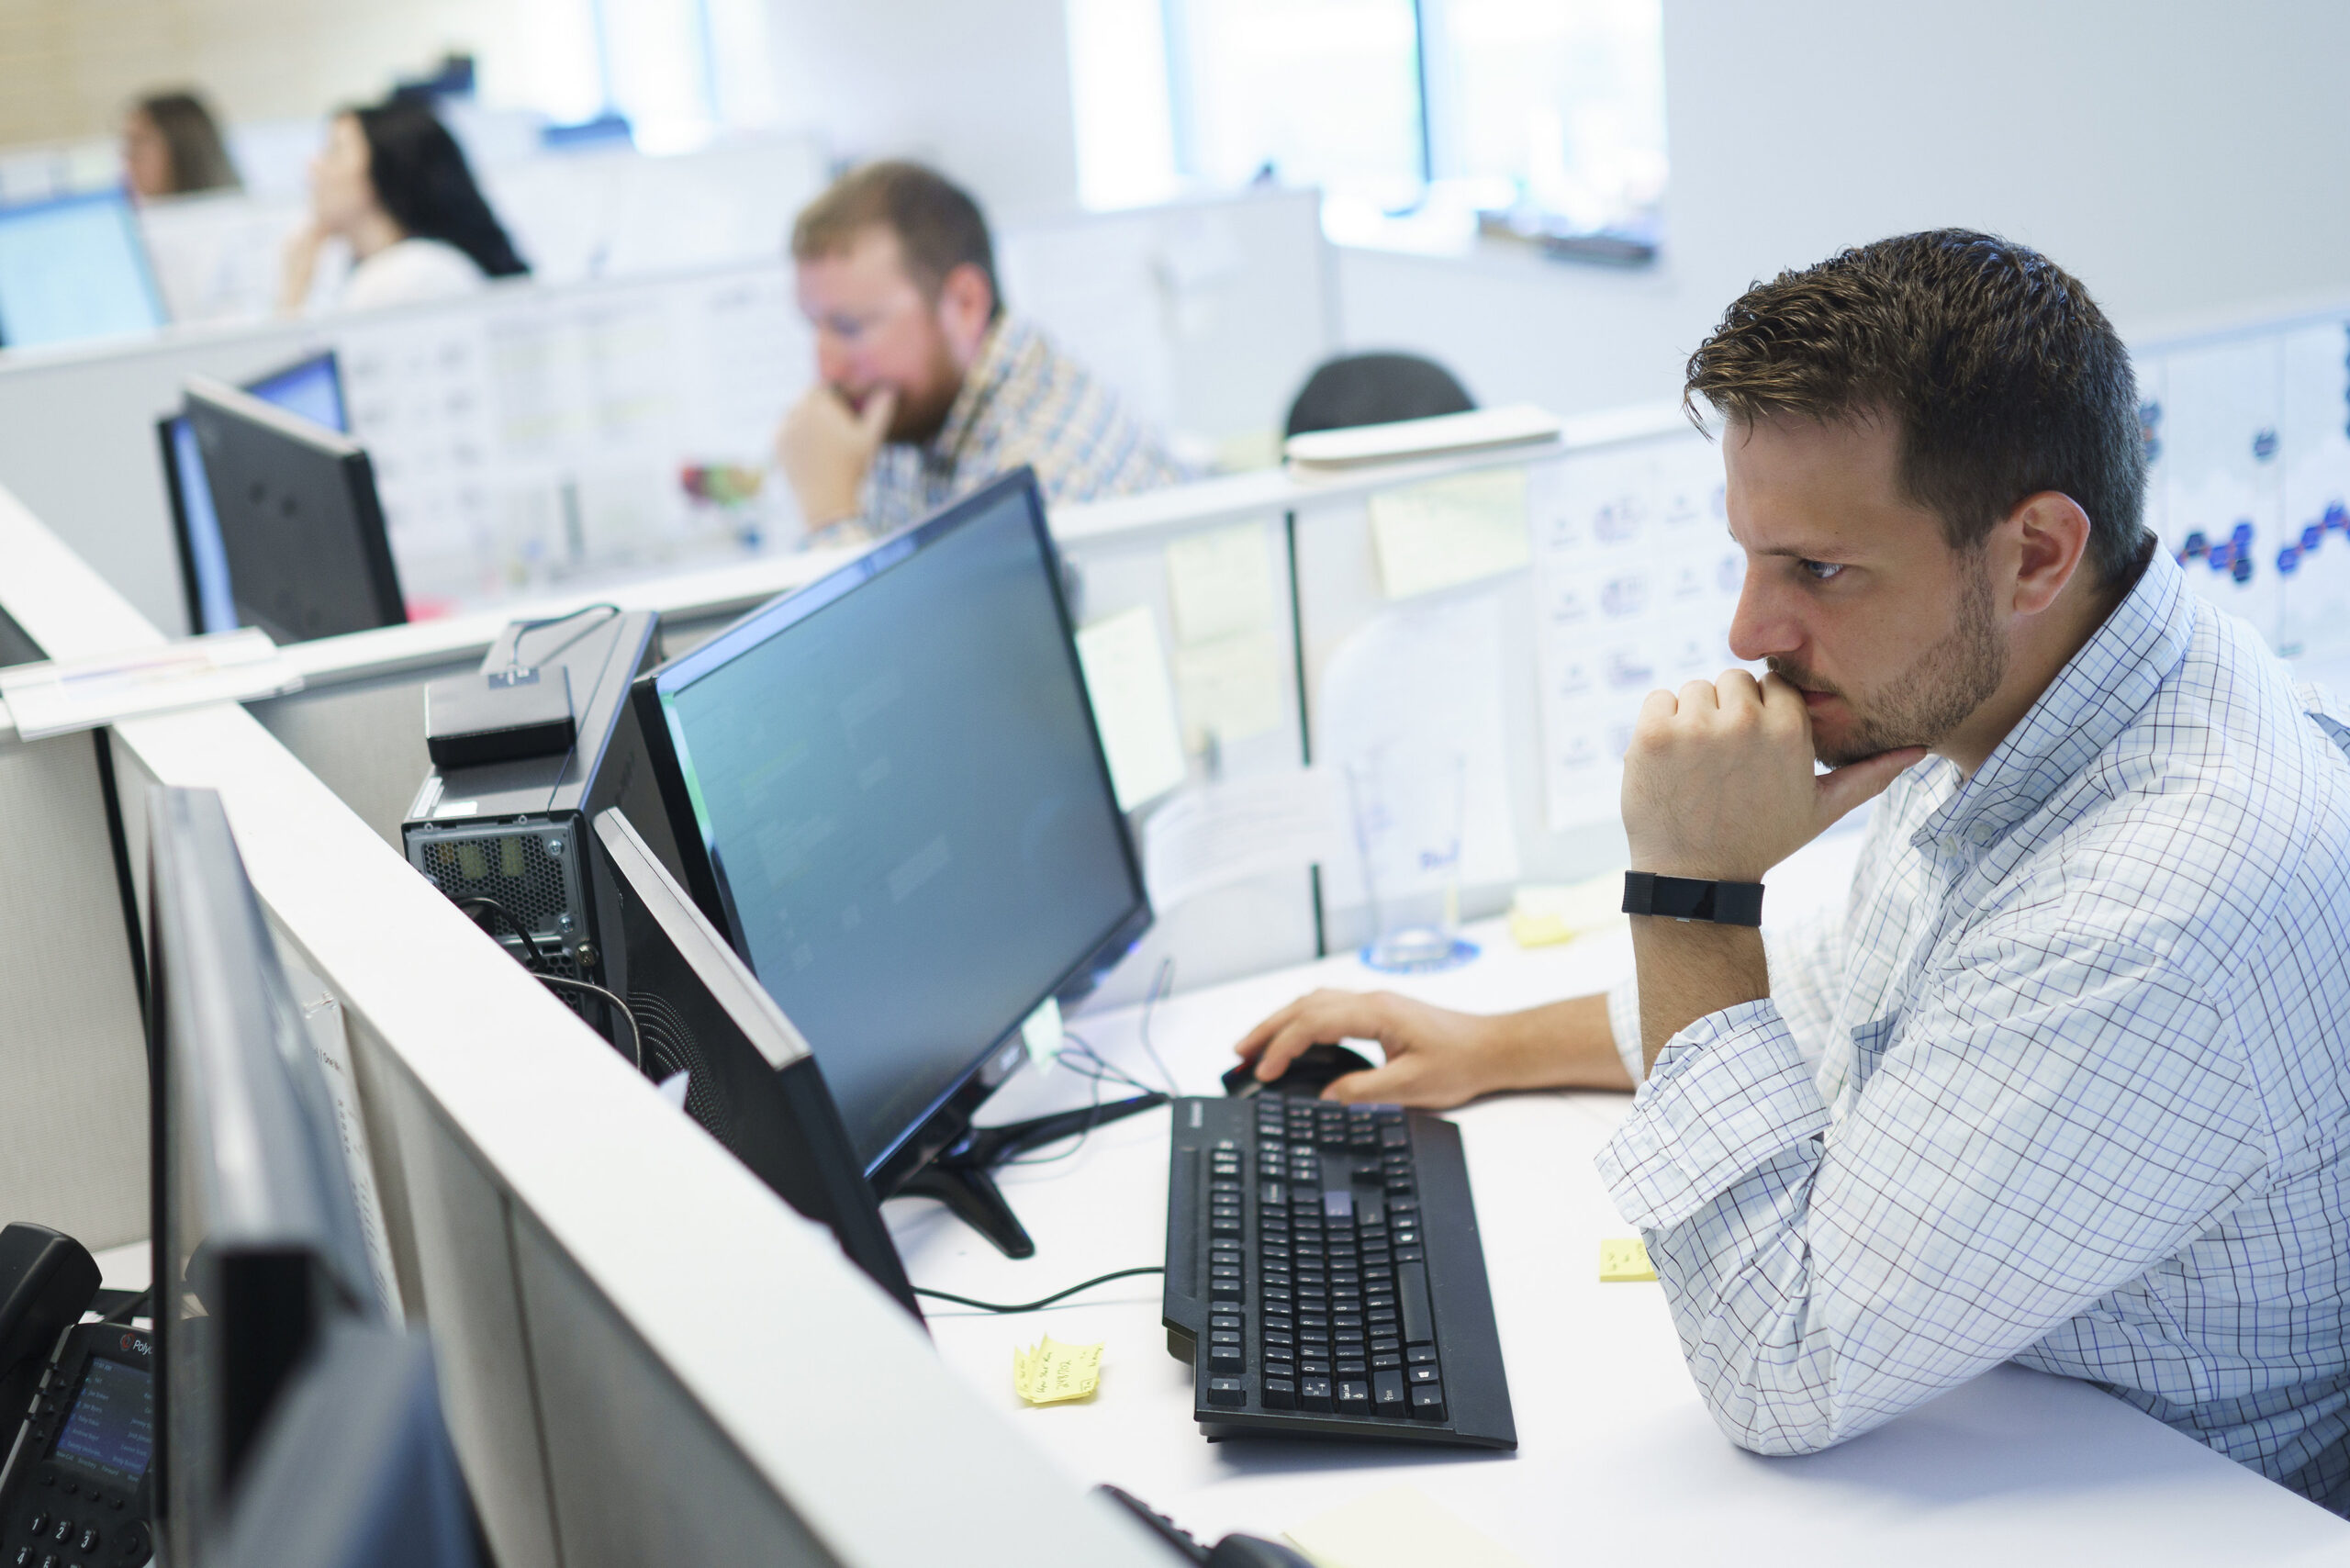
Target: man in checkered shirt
[(2064, 1081), (926, 388)]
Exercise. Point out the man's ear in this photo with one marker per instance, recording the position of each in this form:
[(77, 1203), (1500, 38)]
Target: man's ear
[(2049, 534), (966, 309)]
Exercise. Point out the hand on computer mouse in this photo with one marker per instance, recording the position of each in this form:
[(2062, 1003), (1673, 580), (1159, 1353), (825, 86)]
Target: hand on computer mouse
[(1436, 1058)]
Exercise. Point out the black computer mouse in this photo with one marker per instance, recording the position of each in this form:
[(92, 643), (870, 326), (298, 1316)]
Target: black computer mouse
[(1314, 1070)]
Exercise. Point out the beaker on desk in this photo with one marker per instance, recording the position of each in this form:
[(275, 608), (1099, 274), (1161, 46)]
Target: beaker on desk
[(1408, 807)]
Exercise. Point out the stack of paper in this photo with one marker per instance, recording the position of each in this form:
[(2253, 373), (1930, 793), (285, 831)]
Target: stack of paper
[(1519, 424), (63, 696), (1053, 1371)]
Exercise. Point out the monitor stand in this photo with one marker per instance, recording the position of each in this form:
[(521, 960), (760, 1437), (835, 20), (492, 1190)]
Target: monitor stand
[(959, 1174)]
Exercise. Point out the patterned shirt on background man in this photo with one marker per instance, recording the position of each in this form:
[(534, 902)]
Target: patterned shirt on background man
[(2067, 1084), (1023, 401)]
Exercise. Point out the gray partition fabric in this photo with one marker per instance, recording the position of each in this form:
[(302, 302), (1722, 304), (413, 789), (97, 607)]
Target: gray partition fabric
[(612, 1409), (72, 1051)]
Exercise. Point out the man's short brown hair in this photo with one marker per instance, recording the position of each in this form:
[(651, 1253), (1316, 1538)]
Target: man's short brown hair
[(2005, 377), (937, 225)]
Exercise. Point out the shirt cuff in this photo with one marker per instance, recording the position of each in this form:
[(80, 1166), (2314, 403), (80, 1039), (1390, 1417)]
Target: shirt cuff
[(1624, 1022), (1726, 1094)]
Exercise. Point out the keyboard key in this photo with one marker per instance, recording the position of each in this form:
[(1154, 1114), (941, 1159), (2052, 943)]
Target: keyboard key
[(1314, 1366), (1412, 1296), (1354, 1398), (1270, 1194), (1226, 1320), (1281, 1393), (1385, 1345), (1418, 1355), (1337, 1205), (1423, 1373), (1428, 1402), (1224, 1290), (1409, 1255), (1228, 1391), (1228, 1359), (1386, 1393), (1393, 1137), (1386, 1361), (1314, 1392), (1356, 1369)]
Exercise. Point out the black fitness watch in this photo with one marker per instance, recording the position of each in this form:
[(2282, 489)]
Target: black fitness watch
[(1684, 898)]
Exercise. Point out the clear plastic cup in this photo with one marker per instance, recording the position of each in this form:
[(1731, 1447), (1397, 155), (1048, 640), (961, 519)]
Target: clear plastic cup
[(1407, 809)]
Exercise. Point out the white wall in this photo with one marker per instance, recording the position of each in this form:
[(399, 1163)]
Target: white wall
[(2179, 157), (980, 88)]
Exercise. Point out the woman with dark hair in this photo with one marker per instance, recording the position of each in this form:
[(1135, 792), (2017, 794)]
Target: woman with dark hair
[(392, 184), (172, 146)]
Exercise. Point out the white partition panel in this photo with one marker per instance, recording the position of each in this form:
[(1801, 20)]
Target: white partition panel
[(625, 1316)]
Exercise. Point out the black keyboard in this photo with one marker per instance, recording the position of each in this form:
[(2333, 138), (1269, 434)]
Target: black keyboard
[(1324, 1274)]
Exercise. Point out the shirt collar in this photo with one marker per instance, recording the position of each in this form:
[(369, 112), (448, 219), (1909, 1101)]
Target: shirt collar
[(999, 351), (2092, 699)]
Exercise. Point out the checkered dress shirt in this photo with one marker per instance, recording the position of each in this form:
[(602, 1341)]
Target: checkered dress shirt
[(1023, 401), (2066, 1085)]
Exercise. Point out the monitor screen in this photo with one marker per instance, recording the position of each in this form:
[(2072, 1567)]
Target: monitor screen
[(312, 389), (900, 804), (73, 268)]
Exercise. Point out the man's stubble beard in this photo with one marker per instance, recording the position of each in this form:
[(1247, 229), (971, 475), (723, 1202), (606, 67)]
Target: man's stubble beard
[(1939, 690)]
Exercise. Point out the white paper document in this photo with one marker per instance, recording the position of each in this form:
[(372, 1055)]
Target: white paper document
[(63, 696), (1126, 676), (1216, 834), (1636, 579)]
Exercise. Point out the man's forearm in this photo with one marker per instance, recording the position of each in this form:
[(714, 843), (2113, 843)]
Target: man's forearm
[(1566, 1045), (1689, 969)]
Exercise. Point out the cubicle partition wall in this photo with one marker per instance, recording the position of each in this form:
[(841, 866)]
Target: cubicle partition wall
[(534, 437), (644, 1355)]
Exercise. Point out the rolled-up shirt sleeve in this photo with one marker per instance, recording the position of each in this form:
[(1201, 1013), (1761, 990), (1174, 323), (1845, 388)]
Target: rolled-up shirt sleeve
[(2057, 1114), (1805, 966)]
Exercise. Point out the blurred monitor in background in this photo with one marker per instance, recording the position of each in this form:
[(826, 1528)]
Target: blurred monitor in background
[(927, 387), (393, 185), (172, 146)]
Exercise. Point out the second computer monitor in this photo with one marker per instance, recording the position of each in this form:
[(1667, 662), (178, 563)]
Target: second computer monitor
[(72, 268), (888, 791), (301, 529), (311, 388)]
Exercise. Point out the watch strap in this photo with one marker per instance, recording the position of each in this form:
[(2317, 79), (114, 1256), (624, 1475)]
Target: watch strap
[(1687, 898)]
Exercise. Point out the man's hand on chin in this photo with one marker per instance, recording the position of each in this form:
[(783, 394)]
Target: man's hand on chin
[(826, 447), (1718, 786)]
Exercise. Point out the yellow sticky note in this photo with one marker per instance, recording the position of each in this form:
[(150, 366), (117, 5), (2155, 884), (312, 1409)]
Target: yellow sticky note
[(1231, 688), (1624, 1260), (1448, 530), (1221, 583), (1126, 676), (1053, 1373), (1541, 915), (1399, 1528)]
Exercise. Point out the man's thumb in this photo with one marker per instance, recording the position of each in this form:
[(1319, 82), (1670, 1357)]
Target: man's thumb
[(1854, 782)]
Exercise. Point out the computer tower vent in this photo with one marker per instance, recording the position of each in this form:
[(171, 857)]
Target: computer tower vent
[(514, 869)]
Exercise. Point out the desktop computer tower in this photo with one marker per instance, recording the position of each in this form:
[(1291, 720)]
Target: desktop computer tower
[(517, 833)]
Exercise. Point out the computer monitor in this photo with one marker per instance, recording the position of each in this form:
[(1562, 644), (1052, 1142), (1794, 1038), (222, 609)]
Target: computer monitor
[(258, 1256), (301, 531), (312, 388), (751, 1081), (888, 790), (73, 268)]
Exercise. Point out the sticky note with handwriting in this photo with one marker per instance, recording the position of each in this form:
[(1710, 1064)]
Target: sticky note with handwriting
[(1624, 1260), (1053, 1373), (1453, 530)]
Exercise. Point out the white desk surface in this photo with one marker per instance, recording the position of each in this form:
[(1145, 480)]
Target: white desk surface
[(1618, 1460)]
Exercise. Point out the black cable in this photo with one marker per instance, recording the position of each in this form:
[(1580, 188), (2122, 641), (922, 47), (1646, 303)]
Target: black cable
[(635, 1035), (514, 661), (1161, 984), (532, 960), (1047, 1301)]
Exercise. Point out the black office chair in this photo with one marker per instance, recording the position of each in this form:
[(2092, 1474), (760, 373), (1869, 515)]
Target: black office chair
[(1375, 389)]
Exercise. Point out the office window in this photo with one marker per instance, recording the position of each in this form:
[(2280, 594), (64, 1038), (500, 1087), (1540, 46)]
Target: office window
[(680, 70), (1554, 108)]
